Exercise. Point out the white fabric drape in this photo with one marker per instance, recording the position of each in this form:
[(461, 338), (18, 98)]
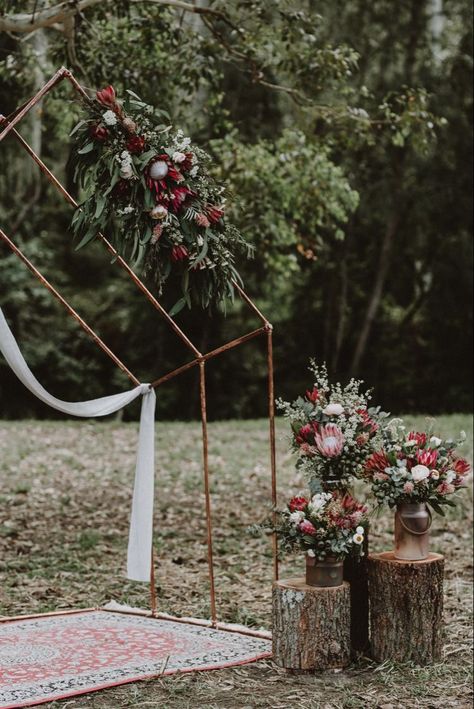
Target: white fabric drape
[(141, 522)]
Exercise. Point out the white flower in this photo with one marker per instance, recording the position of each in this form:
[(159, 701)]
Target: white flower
[(435, 441), (360, 530), (297, 517), (194, 171), (159, 212), (311, 553), (110, 119), (419, 473), (434, 475), (127, 210), (126, 171), (319, 501), (333, 410), (358, 538), (179, 157), (410, 444), (450, 476)]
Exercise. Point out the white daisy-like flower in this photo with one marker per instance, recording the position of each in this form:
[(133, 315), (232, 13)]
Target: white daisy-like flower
[(110, 119), (358, 538)]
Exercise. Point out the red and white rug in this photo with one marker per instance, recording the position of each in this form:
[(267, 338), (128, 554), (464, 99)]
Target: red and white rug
[(54, 657)]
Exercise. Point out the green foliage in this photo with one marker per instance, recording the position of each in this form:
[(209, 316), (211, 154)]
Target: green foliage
[(362, 236)]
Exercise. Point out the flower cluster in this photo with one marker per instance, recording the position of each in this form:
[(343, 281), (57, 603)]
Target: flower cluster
[(333, 429), (325, 525), (150, 190), (416, 467)]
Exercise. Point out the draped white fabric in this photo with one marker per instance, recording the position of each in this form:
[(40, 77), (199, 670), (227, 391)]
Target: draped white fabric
[(141, 522)]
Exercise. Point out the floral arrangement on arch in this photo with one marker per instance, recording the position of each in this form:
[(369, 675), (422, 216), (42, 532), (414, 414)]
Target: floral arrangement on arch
[(325, 525), (416, 467), (333, 429), (149, 189)]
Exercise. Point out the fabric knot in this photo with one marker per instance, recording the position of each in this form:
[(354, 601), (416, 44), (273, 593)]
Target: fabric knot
[(144, 389)]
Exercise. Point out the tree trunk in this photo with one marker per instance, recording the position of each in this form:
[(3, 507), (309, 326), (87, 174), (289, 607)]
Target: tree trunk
[(377, 292), (406, 608), (311, 626)]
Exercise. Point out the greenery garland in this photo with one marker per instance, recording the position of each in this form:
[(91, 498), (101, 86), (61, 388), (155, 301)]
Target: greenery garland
[(148, 189)]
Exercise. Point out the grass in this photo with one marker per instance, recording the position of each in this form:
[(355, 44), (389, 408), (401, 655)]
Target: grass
[(65, 492)]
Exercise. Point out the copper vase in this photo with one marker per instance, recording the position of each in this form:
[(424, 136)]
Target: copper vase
[(412, 525), (324, 573)]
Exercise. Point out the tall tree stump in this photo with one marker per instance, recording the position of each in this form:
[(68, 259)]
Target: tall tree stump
[(311, 626), (406, 608), (356, 573)]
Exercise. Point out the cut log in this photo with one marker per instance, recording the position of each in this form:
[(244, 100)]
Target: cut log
[(406, 608), (356, 573), (311, 626)]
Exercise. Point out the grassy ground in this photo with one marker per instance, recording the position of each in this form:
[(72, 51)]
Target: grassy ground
[(65, 493)]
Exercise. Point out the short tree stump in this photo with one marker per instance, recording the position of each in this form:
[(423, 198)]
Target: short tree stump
[(311, 626), (406, 608)]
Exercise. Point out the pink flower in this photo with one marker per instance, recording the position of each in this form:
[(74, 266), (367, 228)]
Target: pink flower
[(297, 504), (381, 476), (362, 439), (408, 487), (461, 466), (427, 457), (303, 433), (445, 488), (307, 528), (312, 395), (420, 438), (202, 220), (179, 253), (107, 97), (377, 463), (330, 440)]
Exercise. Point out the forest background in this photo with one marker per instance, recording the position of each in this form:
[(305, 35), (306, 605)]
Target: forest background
[(344, 132)]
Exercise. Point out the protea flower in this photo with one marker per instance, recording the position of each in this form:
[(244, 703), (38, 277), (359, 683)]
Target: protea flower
[(420, 438), (179, 253), (312, 395), (297, 503), (107, 97), (377, 463), (329, 440), (307, 528), (202, 220), (213, 213), (461, 466), (427, 457), (99, 132)]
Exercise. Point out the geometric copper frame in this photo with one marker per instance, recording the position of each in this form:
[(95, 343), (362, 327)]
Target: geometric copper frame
[(199, 359)]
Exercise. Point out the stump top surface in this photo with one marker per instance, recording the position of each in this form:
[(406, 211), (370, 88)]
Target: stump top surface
[(389, 556), (298, 583)]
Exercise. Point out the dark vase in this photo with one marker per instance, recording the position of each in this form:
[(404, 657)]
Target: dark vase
[(324, 573)]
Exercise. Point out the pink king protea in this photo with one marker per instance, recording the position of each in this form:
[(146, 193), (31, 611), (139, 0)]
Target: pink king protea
[(329, 440)]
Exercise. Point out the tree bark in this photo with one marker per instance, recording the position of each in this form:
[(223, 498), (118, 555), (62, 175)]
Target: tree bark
[(377, 292), (406, 608), (311, 626)]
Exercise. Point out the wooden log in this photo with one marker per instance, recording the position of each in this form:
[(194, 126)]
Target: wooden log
[(356, 574), (406, 608), (311, 626)]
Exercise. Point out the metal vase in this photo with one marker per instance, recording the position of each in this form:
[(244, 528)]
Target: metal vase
[(412, 536), (324, 573)]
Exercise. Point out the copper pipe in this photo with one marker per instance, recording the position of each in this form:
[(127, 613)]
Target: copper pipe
[(58, 76), (249, 302), (9, 619), (209, 355), (271, 419), (207, 493), (68, 307), (54, 180)]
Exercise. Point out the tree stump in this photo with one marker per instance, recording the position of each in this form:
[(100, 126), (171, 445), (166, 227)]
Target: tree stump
[(356, 573), (406, 608), (311, 626)]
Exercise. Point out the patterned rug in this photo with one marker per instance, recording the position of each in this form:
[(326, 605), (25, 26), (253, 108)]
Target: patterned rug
[(54, 657)]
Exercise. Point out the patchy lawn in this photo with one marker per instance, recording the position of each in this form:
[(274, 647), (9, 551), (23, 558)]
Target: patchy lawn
[(65, 494)]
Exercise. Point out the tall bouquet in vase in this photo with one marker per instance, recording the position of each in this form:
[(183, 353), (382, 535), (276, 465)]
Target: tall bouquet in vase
[(333, 431)]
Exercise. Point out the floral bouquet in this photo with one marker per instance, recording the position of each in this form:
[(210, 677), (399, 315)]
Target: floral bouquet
[(416, 467), (327, 525), (333, 430), (150, 190)]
